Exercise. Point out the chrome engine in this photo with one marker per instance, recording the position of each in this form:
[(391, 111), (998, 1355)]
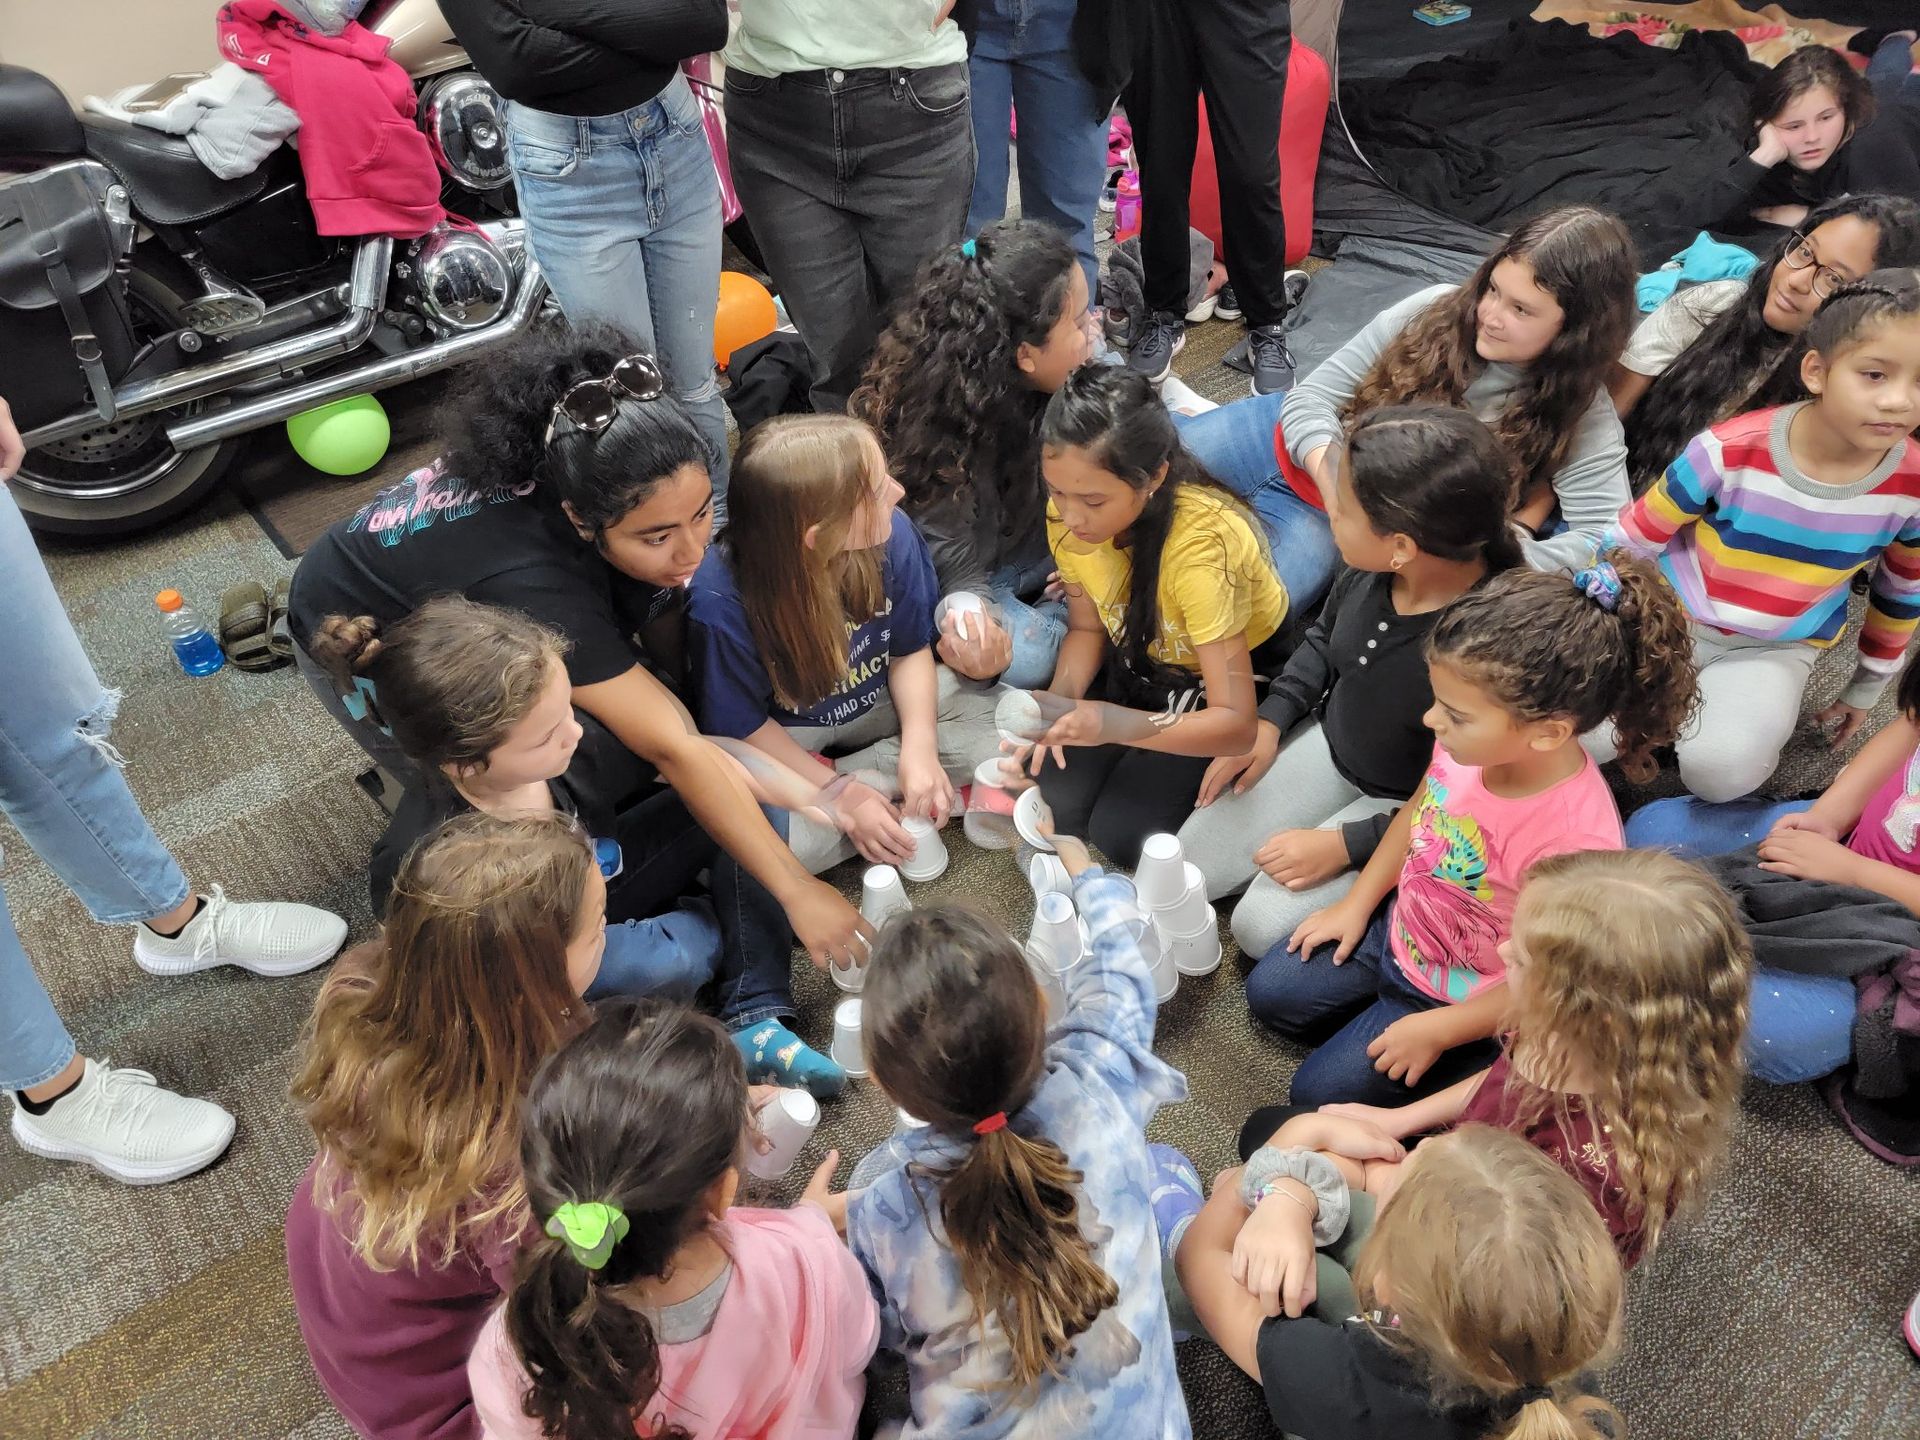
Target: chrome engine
[(458, 278), (460, 114)]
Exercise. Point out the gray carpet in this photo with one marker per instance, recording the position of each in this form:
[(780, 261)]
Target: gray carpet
[(163, 1314)]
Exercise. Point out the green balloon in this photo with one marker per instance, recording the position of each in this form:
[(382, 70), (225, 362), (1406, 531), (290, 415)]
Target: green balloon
[(347, 437)]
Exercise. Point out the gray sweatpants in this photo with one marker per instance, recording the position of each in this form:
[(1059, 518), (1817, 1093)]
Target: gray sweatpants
[(1751, 693), (870, 743), (1303, 791)]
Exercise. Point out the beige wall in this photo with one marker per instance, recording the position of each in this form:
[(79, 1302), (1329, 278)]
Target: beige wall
[(91, 47)]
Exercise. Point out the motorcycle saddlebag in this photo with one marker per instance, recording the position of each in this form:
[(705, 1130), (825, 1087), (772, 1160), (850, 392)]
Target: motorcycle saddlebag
[(65, 331)]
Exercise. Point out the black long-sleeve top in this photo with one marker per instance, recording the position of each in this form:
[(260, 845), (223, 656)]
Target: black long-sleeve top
[(584, 57), (1362, 669)]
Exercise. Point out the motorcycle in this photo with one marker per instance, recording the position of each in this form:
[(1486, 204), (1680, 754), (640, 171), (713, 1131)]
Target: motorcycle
[(152, 314)]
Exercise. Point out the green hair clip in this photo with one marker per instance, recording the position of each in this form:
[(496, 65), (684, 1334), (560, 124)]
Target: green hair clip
[(589, 1229)]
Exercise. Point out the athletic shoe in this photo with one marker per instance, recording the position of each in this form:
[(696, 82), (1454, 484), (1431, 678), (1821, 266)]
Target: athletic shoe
[(1911, 1326), (268, 937), (1226, 304), (1153, 350), (124, 1125), (1272, 361), (1294, 286)]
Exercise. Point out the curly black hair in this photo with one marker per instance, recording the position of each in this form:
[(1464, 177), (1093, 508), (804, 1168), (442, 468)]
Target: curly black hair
[(1708, 380), (501, 411), (943, 390)]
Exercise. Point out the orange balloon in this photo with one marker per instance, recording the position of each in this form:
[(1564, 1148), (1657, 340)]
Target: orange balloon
[(745, 314)]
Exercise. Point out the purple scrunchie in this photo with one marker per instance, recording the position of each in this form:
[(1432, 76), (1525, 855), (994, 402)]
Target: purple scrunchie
[(1600, 583)]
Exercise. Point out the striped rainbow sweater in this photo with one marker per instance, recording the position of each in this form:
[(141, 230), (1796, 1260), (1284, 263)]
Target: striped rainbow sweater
[(1754, 547)]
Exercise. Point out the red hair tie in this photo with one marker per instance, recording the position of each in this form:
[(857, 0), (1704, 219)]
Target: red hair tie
[(993, 1122)]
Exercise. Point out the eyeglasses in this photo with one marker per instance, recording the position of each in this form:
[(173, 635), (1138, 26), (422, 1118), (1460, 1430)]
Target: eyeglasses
[(592, 404), (1800, 254)]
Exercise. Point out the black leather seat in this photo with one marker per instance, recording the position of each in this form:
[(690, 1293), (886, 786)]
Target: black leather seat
[(36, 122), (166, 180)]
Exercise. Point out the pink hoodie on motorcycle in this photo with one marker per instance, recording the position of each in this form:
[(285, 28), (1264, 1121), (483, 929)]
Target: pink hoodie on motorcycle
[(367, 166)]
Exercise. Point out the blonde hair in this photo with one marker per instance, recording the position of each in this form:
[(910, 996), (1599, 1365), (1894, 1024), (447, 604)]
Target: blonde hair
[(414, 1069), (793, 473), (1503, 1284), (1637, 977)]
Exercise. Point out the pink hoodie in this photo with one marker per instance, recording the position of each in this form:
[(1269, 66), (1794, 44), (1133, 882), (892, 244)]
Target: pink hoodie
[(367, 166), (785, 1358)]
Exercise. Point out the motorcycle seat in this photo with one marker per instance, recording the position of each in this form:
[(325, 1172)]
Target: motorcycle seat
[(35, 119), (164, 178)]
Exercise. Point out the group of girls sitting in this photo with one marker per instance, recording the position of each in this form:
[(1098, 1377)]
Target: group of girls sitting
[(535, 633)]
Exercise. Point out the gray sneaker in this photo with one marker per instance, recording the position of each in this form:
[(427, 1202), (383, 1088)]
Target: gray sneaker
[(1153, 350), (1226, 303), (1294, 286), (1272, 361)]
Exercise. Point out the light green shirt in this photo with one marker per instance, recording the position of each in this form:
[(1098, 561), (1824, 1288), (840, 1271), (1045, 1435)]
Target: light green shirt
[(777, 37)]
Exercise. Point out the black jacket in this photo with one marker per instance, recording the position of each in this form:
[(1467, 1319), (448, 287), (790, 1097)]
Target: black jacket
[(584, 57), (1104, 34)]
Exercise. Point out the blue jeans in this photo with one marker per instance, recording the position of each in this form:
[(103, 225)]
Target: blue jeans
[(1235, 445), (1892, 75), (1345, 1008), (1802, 1025), (1021, 62), (660, 942), (1036, 627), (61, 787), (623, 214)]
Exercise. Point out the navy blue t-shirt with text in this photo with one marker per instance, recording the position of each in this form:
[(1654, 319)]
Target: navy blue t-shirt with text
[(733, 689)]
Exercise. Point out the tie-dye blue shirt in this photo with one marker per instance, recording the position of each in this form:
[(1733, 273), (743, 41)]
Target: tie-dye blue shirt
[(1100, 1084)]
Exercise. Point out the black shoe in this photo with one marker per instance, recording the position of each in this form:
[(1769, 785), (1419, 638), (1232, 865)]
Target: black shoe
[(1272, 361), (1160, 339), (1295, 286), (1226, 304)]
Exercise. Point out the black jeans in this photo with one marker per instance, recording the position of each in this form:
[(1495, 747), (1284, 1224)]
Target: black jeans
[(851, 180), (664, 849), (1234, 52), (1114, 796)]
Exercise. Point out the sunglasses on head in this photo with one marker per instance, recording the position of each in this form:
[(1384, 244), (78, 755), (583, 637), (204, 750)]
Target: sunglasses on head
[(592, 404)]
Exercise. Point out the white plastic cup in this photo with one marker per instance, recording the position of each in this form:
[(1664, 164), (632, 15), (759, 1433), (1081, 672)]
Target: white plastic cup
[(882, 896), (1056, 930), (1018, 716), (969, 614), (1047, 874), (1160, 962), (786, 1123), (929, 860), (1051, 979), (1161, 879), (1196, 954), (850, 978), (849, 1046), (1190, 914), (989, 819)]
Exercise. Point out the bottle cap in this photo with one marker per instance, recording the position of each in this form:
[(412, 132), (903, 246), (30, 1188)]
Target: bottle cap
[(169, 600)]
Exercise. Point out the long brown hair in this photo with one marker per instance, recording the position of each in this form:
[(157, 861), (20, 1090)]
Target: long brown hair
[(1542, 647), (412, 1071), (1637, 972), (1582, 257), (792, 473), (450, 681), (642, 1111), (957, 1034), (1502, 1284)]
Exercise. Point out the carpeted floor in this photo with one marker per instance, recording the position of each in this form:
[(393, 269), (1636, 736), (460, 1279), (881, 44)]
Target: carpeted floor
[(163, 1314)]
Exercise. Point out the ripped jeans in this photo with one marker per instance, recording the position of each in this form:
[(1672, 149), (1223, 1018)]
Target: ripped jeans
[(60, 785)]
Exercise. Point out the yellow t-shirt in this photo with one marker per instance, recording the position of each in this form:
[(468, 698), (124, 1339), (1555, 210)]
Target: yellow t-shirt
[(1216, 579)]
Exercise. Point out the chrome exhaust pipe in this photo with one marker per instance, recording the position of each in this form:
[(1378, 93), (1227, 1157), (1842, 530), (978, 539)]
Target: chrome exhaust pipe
[(245, 415), (366, 293)]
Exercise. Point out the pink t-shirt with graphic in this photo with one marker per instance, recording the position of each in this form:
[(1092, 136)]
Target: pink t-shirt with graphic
[(1467, 855), (1889, 828)]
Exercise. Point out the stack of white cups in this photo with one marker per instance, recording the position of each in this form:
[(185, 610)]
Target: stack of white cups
[(1175, 895), (1054, 947), (929, 859), (849, 1044), (882, 896)]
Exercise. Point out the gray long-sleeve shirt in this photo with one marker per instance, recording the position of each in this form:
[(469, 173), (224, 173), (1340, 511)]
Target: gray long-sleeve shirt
[(1591, 483)]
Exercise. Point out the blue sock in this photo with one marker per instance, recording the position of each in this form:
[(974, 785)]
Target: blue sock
[(777, 1056), (1177, 1197)]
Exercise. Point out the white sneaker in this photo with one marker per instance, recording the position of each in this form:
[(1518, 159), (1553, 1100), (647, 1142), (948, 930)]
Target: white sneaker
[(124, 1125), (268, 937)]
